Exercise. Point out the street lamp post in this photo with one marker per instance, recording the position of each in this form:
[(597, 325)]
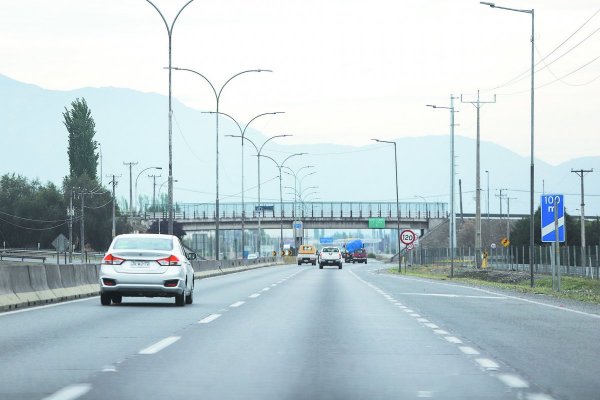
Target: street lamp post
[(243, 134), (258, 153), (279, 167), (295, 175), (217, 98), (159, 190), (397, 199), (532, 175), (170, 34), (426, 205), (452, 227), (137, 177)]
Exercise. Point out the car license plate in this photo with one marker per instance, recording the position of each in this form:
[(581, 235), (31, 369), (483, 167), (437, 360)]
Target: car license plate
[(140, 264)]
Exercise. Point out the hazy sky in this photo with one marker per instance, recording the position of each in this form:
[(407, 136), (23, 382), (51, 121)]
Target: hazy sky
[(344, 70)]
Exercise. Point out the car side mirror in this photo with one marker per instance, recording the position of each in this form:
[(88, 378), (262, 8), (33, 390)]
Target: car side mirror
[(191, 256)]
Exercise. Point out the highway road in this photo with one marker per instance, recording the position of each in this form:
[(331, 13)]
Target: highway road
[(297, 332)]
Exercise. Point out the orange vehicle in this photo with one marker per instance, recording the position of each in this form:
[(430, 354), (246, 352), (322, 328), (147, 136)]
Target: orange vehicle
[(307, 254)]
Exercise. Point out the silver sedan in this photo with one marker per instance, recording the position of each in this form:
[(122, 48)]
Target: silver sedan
[(145, 265)]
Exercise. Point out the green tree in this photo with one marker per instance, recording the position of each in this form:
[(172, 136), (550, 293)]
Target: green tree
[(519, 234), (83, 159), (30, 213)]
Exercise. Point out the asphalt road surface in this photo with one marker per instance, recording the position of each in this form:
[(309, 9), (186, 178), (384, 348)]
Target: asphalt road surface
[(297, 332)]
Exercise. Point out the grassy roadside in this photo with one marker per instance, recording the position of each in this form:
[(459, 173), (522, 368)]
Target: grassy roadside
[(574, 288)]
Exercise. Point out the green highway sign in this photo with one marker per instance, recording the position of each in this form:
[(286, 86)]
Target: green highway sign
[(377, 223)]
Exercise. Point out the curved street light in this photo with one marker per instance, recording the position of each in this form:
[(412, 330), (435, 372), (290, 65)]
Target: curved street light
[(295, 175), (243, 135), (279, 167), (532, 107), (426, 205), (218, 98), (258, 154), (452, 224), (397, 199), (170, 33), (137, 177)]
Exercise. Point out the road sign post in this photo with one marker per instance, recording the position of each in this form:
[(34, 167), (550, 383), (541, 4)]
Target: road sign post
[(553, 230)]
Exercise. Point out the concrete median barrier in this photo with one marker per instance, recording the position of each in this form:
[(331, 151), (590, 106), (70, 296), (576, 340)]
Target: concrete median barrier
[(29, 284), (8, 299), (39, 283), (20, 283)]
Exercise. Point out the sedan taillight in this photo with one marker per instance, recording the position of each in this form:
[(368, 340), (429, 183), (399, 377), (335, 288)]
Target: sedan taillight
[(171, 260), (112, 260)]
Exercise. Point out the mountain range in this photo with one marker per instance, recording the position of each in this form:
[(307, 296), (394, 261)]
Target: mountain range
[(133, 126)]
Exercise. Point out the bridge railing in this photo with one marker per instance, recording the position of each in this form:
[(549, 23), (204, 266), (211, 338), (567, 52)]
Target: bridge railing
[(326, 210)]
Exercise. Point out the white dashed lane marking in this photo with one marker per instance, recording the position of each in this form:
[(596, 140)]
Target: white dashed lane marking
[(487, 364), (208, 319), (71, 392), (237, 304), (254, 295), (158, 346), (468, 350), (453, 339), (513, 381), (266, 289)]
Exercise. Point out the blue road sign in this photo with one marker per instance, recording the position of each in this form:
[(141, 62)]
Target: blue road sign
[(548, 202), (326, 240)]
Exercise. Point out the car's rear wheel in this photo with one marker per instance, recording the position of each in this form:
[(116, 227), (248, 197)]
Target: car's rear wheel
[(105, 299), (314, 263), (117, 299), (320, 266), (180, 299), (340, 266), (299, 263), (190, 297)]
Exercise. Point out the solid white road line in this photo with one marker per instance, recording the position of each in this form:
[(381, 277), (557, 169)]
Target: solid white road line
[(453, 339), (513, 381), (237, 304), (4, 314), (158, 346), (71, 392), (539, 303), (468, 350), (455, 296), (254, 295), (487, 364), (208, 319)]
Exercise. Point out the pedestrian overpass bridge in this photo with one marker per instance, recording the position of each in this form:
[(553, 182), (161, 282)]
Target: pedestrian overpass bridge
[(196, 217)]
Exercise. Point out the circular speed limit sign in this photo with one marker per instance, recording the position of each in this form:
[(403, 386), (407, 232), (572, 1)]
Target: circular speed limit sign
[(407, 236)]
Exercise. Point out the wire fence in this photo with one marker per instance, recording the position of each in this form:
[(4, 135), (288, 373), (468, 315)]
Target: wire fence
[(516, 258)]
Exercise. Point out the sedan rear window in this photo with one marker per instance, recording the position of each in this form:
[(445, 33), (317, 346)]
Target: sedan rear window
[(142, 243), (330, 249)]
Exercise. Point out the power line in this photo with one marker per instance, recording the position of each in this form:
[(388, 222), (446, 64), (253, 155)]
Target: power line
[(523, 74)]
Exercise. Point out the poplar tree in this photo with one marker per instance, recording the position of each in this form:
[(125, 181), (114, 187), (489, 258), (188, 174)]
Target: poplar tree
[(83, 159)]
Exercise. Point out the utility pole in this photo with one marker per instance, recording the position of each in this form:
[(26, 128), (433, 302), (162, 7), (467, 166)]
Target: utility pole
[(71, 212), (131, 165), (581, 173), (114, 183), (154, 176), (82, 225), (477, 104), (460, 200)]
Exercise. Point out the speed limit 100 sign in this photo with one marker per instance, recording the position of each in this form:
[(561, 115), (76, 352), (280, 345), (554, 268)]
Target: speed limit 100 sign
[(407, 236)]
